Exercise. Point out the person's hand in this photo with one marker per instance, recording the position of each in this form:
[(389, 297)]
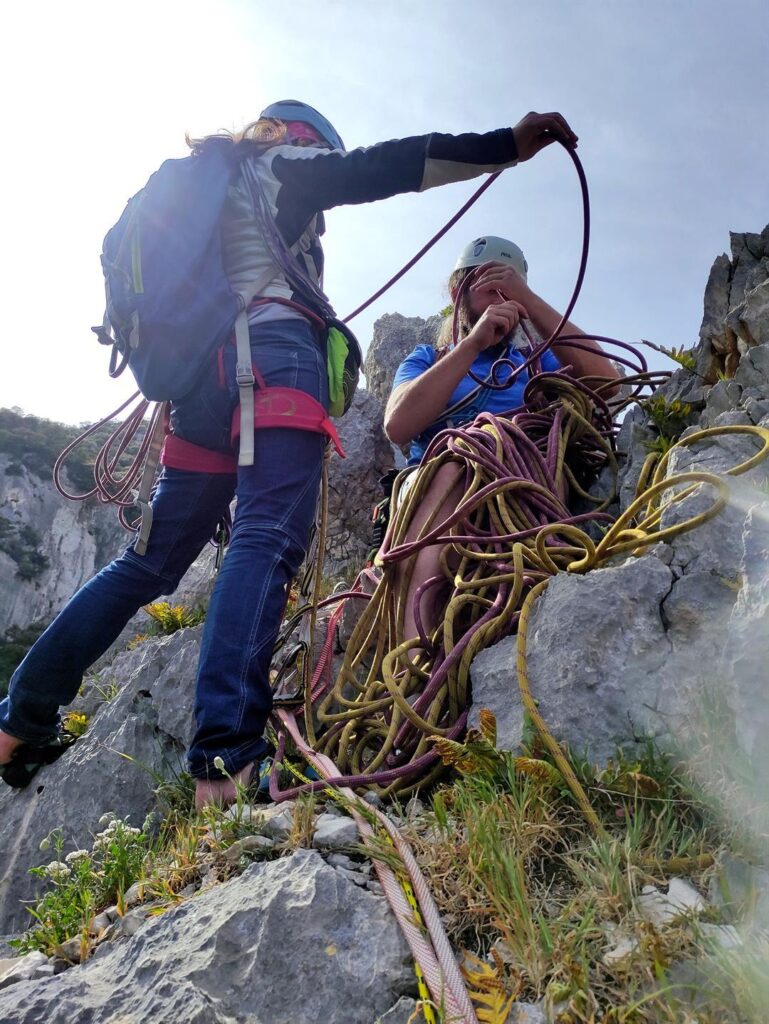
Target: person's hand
[(535, 131), (494, 324), (501, 278)]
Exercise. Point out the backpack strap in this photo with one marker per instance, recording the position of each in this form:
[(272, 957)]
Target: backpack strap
[(244, 375)]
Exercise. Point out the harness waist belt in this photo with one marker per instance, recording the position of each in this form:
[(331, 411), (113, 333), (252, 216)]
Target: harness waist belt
[(180, 454), (286, 408)]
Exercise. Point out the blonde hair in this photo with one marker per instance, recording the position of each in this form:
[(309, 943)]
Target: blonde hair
[(444, 339), (264, 132)]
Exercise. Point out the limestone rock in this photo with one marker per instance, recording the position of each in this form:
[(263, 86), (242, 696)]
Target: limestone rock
[(394, 337), (596, 658), (746, 650), (288, 942), (76, 540), (736, 307), (662, 909), (24, 968), (334, 833), (145, 729)]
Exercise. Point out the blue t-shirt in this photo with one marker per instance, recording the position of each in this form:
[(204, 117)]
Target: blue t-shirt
[(496, 401)]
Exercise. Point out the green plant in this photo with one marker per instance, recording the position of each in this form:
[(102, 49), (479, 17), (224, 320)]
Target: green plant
[(669, 418), (22, 543), (35, 443), (170, 618), (107, 691), (82, 882), (14, 644), (75, 722), (683, 356), (522, 882)]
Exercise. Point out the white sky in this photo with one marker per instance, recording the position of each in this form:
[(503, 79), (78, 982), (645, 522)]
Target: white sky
[(669, 99)]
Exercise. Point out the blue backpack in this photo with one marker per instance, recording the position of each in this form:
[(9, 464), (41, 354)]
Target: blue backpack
[(169, 303)]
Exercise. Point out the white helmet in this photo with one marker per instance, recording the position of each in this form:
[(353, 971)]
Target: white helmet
[(490, 248)]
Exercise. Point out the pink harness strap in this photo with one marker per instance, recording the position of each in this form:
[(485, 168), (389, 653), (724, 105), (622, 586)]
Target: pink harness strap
[(288, 409), (180, 454)]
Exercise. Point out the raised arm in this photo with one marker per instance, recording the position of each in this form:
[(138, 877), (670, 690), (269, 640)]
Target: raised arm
[(305, 181)]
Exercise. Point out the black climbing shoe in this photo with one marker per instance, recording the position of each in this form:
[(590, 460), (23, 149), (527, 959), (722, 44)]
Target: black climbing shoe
[(29, 758)]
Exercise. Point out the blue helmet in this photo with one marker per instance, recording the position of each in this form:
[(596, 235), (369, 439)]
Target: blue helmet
[(293, 110)]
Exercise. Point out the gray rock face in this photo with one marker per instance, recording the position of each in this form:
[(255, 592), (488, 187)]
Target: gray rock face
[(746, 651), (354, 485), (289, 942), (736, 313), (77, 539), (596, 655), (149, 721)]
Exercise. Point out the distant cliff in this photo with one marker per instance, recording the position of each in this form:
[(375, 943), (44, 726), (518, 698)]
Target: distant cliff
[(48, 546)]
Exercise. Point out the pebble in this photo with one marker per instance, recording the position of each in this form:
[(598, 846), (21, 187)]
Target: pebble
[(624, 947), (134, 895), (100, 923), (661, 909), (278, 822), (24, 968), (246, 845), (70, 950), (354, 876), (333, 833)]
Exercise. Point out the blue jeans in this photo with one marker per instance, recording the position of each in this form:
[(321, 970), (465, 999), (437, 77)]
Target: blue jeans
[(275, 509)]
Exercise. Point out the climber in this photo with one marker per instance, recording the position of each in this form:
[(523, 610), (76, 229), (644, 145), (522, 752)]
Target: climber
[(432, 388), (303, 168)]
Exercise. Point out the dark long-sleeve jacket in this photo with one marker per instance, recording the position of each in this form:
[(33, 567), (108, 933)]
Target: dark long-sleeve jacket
[(299, 183)]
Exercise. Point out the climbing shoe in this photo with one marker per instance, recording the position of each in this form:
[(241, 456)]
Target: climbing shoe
[(29, 758)]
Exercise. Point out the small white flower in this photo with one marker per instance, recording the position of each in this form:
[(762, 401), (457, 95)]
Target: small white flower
[(77, 857), (57, 871), (45, 845), (105, 819), (219, 763)]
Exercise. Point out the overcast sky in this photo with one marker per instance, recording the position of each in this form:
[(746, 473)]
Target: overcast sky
[(669, 100)]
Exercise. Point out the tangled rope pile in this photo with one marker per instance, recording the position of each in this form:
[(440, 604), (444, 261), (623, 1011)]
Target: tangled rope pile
[(509, 536)]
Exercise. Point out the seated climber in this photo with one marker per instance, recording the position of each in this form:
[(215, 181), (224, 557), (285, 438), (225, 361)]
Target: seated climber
[(450, 383)]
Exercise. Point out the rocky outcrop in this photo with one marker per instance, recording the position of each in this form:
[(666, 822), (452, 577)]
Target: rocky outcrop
[(736, 315), (394, 337), (645, 648), (291, 941)]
